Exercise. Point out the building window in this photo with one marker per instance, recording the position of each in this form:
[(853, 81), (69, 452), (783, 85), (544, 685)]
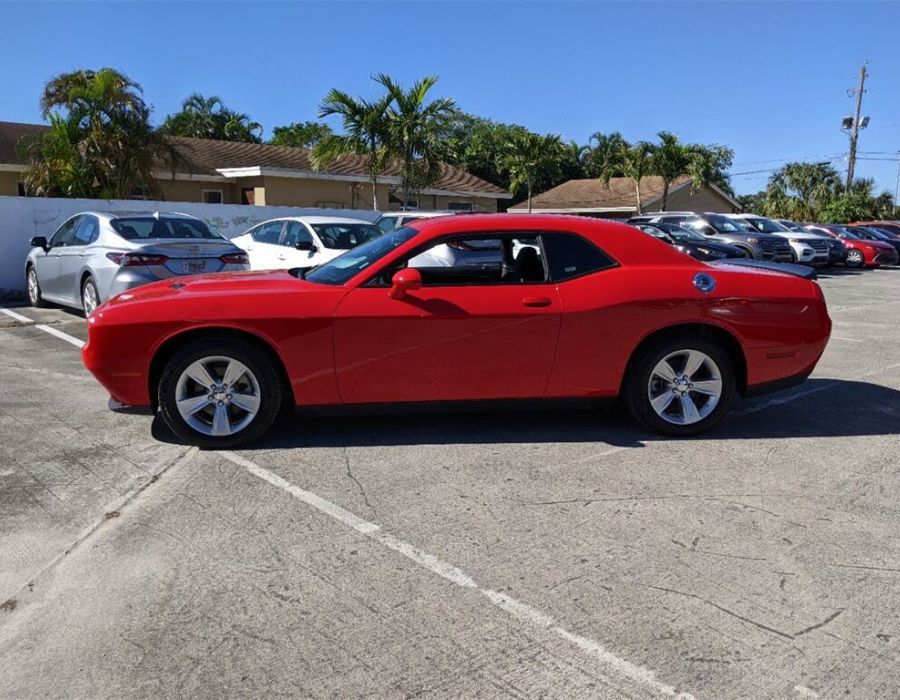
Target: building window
[(20, 189), (212, 196), (248, 195), (461, 206)]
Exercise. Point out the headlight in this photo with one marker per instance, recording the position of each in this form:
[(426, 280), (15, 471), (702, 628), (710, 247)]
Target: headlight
[(795, 240)]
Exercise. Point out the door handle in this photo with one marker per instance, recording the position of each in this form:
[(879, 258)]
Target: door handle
[(536, 301)]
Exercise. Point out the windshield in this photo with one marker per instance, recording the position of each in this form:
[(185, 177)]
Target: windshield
[(723, 224), (791, 226), (345, 266), (346, 236), (679, 233), (387, 223), (766, 225), (845, 232), (139, 228)]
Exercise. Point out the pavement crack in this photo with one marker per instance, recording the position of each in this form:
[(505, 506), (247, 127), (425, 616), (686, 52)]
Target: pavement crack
[(352, 476), (816, 626), (760, 625)]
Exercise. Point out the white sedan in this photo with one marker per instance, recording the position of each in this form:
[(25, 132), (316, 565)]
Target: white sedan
[(303, 241)]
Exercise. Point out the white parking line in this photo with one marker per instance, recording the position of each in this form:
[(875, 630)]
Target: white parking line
[(618, 670), (77, 342)]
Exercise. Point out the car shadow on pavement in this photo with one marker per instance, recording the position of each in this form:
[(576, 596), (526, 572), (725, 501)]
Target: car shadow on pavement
[(817, 408)]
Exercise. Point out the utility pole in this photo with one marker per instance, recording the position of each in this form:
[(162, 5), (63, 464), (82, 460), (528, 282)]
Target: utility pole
[(854, 124)]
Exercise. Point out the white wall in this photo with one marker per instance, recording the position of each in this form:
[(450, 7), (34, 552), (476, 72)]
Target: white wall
[(24, 217)]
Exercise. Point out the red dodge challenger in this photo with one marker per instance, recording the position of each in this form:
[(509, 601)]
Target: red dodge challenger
[(457, 309)]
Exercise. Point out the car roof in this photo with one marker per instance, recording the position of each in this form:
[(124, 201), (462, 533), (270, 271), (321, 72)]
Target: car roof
[(322, 219), (117, 214), (421, 214)]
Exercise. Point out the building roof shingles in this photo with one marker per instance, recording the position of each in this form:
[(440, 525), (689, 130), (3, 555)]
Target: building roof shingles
[(201, 157), (591, 193)]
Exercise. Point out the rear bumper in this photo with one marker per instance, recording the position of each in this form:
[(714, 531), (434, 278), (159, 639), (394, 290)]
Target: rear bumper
[(776, 385)]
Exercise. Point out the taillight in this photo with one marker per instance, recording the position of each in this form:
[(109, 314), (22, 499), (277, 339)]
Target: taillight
[(133, 259), (235, 259)]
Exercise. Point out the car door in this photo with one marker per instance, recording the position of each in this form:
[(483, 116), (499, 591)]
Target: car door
[(264, 250), (297, 233), (72, 258), (48, 264), (467, 333)]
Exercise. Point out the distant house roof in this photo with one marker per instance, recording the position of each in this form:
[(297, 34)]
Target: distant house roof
[(209, 159), (590, 195)]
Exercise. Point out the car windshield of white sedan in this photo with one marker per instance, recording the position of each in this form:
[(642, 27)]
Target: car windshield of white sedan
[(345, 266), (346, 236), (141, 228)]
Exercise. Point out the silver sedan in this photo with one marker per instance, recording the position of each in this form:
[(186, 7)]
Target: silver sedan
[(95, 255)]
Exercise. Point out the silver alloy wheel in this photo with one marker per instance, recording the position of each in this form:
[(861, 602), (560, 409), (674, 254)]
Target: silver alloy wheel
[(855, 257), (33, 287), (89, 300), (685, 387), (217, 396)]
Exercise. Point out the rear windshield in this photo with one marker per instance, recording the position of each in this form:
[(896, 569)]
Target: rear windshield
[(140, 228)]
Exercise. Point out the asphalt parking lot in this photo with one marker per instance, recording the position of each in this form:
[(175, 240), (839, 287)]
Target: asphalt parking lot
[(556, 554)]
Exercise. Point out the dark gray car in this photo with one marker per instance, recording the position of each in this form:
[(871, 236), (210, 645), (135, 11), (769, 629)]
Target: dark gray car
[(757, 245), (95, 255)]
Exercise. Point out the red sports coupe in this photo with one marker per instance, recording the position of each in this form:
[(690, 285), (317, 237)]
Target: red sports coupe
[(457, 309)]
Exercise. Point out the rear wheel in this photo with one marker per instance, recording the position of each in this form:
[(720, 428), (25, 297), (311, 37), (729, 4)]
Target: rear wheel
[(90, 298), (35, 298), (681, 385), (220, 393)]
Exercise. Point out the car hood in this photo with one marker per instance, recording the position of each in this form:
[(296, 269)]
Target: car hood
[(219, 285), (798, 235)]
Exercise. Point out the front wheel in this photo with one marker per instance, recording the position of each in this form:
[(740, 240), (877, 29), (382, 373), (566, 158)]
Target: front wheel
[(35, 297), (220, 392), (681, 385), (855, 259)]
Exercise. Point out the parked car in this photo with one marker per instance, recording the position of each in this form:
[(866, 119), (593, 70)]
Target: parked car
[(761, 246), (392, 220), (93, 256), (890, 226), (807, 248), (871, 233), (860, 252), (691, 242), (303, 241), (592, 309)]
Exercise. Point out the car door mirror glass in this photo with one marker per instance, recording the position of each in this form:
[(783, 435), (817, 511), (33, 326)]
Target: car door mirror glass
[(403, 281)]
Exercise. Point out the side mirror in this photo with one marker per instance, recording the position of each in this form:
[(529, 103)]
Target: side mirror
[(306, 245), (39, 242), (403, 281)]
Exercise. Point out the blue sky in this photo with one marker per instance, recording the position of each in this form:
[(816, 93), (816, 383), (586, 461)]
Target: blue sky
[(768, 79)]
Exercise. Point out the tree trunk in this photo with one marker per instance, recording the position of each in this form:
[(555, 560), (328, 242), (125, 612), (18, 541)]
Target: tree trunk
[(374, 193), (529, 195), (637, 185), (665, 197)]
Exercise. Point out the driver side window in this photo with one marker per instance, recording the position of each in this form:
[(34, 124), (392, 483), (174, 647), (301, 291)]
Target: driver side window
[(481, 260), (295, 232), (66, 233)]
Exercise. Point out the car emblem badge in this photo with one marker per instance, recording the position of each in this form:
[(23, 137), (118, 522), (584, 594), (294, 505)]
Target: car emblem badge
[(703, 282)]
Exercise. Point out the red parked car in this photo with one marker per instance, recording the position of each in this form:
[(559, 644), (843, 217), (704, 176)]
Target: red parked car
[(860, 252), (567, 307)]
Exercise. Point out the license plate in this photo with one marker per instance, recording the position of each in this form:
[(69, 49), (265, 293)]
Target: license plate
[(192, 267)]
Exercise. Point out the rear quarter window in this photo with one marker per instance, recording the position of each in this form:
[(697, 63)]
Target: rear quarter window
[(569, 255)]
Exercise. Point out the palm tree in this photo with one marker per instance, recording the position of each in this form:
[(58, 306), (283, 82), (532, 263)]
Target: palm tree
[(208, 118), (100, 142), (528, 155), (415, 128), (603, 156), (365, 134), (637, 163), (671, 160), (801, 190)]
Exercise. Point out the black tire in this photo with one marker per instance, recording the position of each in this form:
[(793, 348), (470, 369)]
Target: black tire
[(854, 259), (35, 296), (272, 394), (87, 287), (637, 383)]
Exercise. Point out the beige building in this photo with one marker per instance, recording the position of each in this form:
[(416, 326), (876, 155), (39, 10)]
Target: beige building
[(618, 200), (224, 172)]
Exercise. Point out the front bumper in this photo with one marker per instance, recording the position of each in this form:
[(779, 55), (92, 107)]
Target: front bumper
[(888, 257)]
